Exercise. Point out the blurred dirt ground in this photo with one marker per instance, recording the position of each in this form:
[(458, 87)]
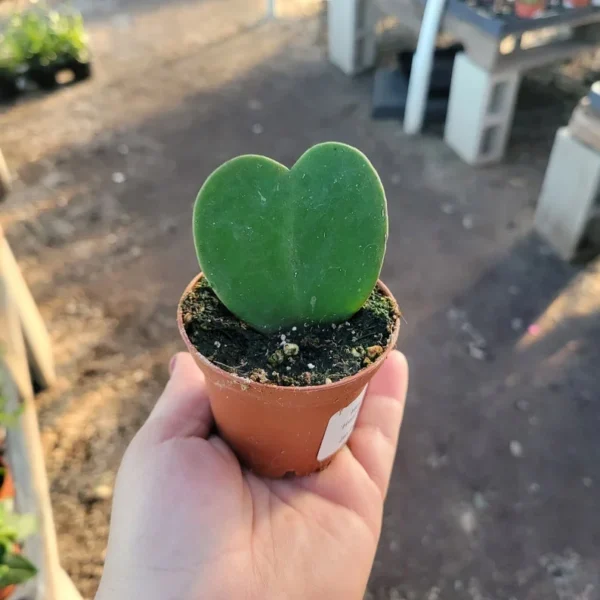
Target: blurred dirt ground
[(496, 489)]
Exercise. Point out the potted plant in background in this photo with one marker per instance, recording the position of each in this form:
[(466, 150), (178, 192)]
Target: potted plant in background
[(14, 528), (38, 44), (51, 41), (287, 319), (529, 9)]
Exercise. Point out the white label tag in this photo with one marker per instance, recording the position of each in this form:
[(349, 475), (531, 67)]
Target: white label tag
[(340, 426)]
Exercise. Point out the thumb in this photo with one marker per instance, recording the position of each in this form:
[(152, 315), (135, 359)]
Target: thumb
[(183, 409)]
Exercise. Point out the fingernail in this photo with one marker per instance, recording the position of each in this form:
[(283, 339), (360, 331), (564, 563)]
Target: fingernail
[(172, 364)]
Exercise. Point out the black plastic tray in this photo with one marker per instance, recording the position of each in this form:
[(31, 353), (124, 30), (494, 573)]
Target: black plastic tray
[(43, 77)]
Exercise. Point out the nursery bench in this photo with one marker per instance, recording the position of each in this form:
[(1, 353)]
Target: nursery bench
[(486, 76)]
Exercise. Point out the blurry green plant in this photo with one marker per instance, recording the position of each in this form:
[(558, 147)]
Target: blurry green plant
[(283, 247), (40, 37), (14, 528), (10, 58)]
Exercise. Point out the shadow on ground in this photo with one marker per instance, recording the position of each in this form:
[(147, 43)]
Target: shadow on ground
[(493, 494)]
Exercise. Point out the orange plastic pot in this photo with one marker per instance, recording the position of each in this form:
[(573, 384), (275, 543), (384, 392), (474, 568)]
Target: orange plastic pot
[(277, 430), (6, 592), (7, 489), (526, 10)]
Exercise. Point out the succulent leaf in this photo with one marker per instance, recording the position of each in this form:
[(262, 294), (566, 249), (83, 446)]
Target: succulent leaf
[(283, 247)]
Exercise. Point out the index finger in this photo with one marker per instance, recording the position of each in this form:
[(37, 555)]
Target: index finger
[(183, 409), (375, 438)]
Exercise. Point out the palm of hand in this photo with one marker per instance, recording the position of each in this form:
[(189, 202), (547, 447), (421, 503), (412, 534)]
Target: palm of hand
[(189, 523)]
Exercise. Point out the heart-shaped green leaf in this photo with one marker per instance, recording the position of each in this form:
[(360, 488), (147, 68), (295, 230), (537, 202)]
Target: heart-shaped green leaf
[(285, 247)]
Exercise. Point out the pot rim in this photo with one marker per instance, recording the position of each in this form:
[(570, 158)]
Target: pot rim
[(249, 383)]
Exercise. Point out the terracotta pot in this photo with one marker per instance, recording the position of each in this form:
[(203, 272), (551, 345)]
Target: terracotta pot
[(527, 10), (277, 430), (7, 490), (576, 3)]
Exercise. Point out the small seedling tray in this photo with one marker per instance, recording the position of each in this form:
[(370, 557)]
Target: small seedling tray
[(43, 77), (48, 77)]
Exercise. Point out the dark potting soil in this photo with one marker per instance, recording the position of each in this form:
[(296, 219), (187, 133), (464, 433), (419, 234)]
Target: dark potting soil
[(303, 355)]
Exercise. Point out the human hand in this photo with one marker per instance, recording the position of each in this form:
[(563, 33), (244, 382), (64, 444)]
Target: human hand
[(190, 523)]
